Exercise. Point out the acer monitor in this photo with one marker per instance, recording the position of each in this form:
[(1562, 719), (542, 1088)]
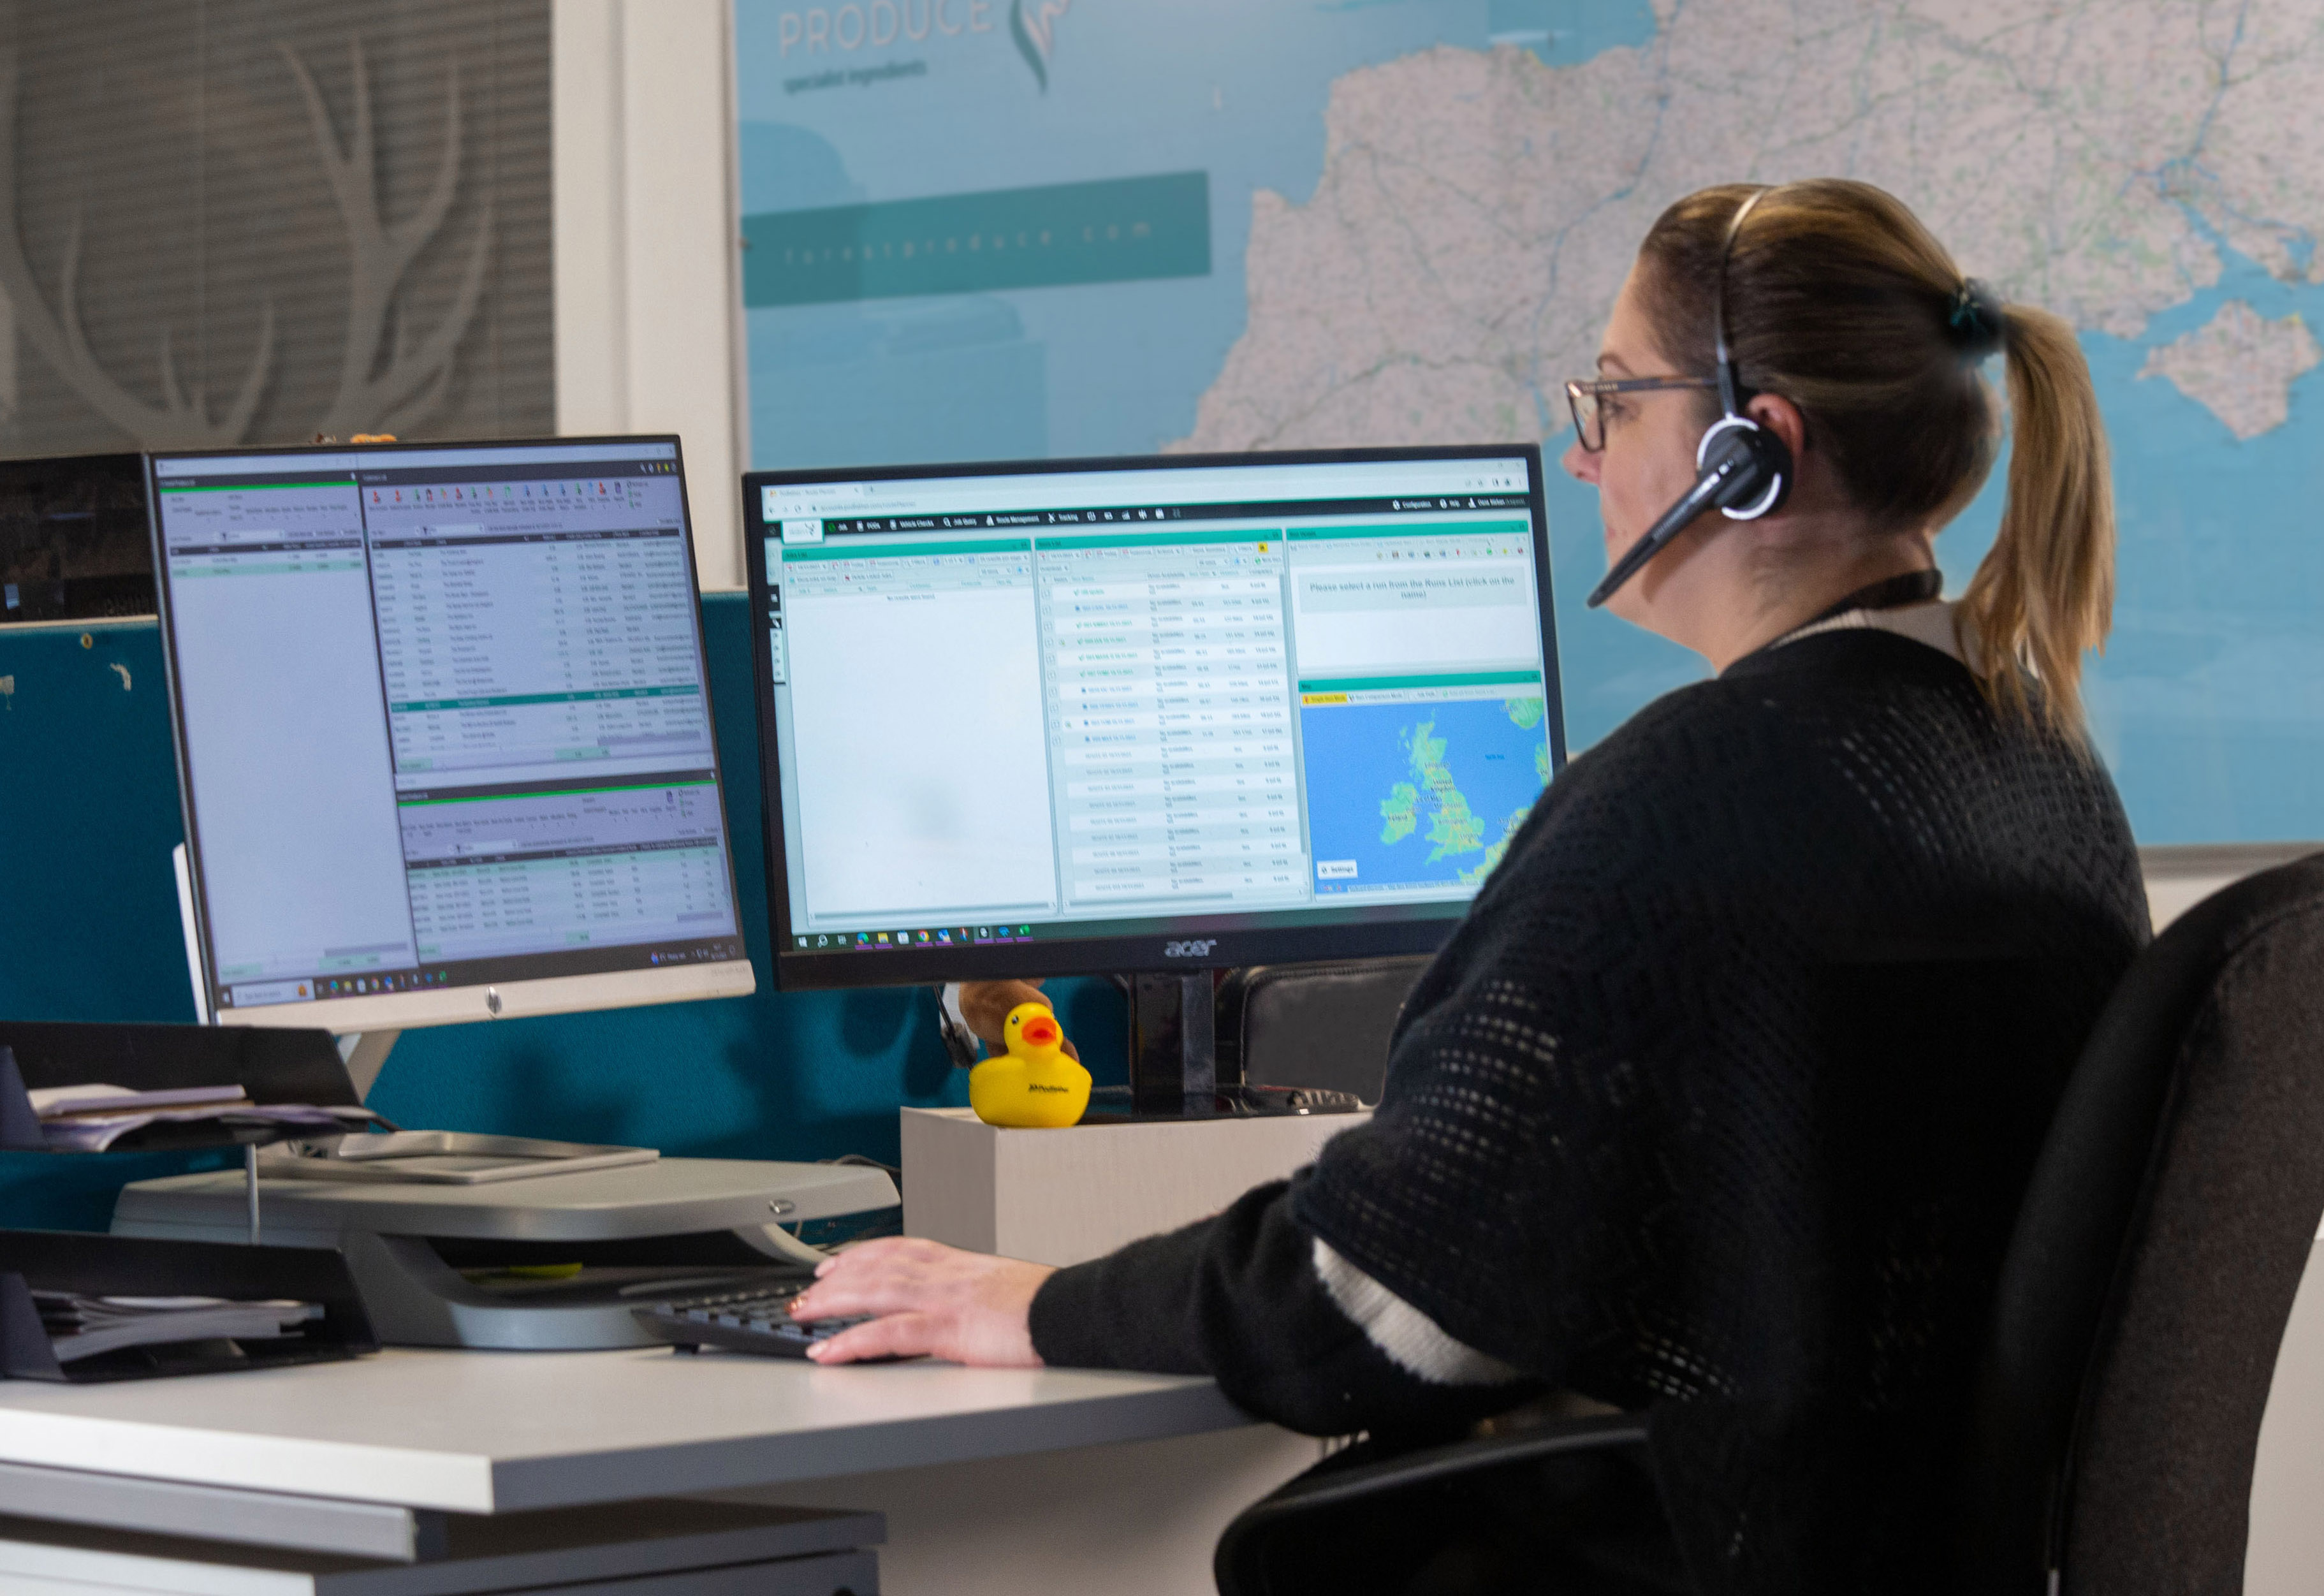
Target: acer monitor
[(1149, 714)]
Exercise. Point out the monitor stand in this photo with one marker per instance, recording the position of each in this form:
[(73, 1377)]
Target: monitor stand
[(1173, 1062), (364, 1053), (1174, 1046)]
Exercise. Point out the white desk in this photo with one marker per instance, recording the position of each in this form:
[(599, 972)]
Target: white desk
[(338, 1453), (991, 1480), (503, 1431)]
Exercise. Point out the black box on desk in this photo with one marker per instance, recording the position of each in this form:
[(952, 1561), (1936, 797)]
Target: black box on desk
[(127, 1266)]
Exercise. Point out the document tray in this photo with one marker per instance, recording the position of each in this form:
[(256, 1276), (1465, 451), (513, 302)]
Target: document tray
[(131, 1265)]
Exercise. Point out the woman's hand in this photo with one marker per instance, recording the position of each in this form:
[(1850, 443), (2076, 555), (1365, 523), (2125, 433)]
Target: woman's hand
[(932, 1299), (985, 1005)]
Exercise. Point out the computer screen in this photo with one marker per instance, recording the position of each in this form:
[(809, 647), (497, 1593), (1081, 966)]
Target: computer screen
[(74, 539), (1143, 714), (444, 730)]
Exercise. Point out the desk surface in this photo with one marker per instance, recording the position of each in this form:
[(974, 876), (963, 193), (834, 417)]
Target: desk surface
[(503, 1432)]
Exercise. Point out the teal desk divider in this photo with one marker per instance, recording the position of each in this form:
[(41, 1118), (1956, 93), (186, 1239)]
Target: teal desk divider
[(88, 930)]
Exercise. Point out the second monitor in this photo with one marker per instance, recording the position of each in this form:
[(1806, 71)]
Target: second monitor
[(1149, 714), (443, 730)]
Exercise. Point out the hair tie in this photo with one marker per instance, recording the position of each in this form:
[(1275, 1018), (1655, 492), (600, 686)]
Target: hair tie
[(1974, 320)]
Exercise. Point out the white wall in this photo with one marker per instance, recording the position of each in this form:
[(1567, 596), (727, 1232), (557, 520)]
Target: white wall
[(2180, 877), (648, 270)]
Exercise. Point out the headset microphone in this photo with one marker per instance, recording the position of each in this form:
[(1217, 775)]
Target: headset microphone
[(1736, 468), (1745, 469)]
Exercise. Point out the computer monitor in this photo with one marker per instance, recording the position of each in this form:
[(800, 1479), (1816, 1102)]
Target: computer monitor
[(1162, 713), (74, 543), (443, 732)]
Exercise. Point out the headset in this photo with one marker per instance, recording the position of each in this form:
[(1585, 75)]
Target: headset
[(1745, 469)]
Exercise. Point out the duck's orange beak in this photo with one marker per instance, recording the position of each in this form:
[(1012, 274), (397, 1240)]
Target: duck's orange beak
[(1042, 1031)]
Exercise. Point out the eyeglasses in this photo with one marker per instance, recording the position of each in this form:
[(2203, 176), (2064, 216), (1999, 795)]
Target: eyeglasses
[(1587, 400)]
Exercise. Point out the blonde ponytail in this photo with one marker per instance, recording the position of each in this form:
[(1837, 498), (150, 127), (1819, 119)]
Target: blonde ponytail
[(2044, 595), (1840, 300)]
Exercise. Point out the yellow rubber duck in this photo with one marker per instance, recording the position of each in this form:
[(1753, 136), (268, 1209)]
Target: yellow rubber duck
[(1034, 1084)]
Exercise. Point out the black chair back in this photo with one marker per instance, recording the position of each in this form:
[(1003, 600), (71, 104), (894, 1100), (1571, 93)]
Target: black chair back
[(1313, 1025), (2153, 1268)]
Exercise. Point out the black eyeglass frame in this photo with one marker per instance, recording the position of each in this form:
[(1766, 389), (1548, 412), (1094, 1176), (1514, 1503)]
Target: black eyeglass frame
[(1596, 388)]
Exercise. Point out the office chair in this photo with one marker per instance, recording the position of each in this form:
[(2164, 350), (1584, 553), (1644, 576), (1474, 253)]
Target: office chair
[(2114, 1424), (1313, 1025), (2153, 1271)]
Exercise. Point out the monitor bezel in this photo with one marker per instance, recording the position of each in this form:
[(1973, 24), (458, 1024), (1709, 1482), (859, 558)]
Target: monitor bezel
[(449, 1005), (1195, 943)]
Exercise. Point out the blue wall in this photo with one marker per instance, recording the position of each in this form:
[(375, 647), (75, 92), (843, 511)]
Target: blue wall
[(88, 930)]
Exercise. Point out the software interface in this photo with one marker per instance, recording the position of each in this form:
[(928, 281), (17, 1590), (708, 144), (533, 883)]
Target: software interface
[(443, 716), (1076, 704)]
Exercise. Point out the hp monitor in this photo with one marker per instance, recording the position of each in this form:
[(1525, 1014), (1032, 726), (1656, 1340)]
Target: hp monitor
[(1145, 715), (443, 730)]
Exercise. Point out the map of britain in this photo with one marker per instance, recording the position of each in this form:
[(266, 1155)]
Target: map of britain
[(1419, 794)]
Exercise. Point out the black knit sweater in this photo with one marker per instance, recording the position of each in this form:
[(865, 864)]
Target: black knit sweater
[(1718, 1104)]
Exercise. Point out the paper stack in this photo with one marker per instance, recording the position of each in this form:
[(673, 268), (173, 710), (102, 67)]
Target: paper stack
[(90, 1119), (83, 1326)]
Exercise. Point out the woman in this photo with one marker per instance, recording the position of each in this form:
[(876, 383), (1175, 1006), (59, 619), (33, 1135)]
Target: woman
[(1721, 1101)]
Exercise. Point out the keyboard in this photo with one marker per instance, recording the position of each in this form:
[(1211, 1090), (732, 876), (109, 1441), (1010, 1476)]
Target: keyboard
[(750, 1319)]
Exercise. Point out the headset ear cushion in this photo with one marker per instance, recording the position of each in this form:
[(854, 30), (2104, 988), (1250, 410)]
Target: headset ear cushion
[(1763, 485)]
